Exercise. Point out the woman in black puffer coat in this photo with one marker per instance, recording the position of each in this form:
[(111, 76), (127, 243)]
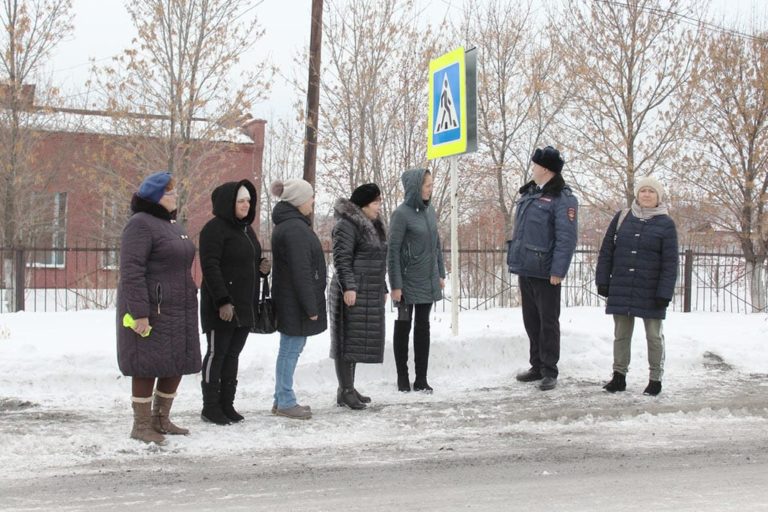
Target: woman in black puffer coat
[(358, 290), (636, 272), (230, 258)]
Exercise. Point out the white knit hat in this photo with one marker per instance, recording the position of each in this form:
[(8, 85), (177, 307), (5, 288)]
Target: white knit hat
[(650, 181), (297, 192), (242, 193)]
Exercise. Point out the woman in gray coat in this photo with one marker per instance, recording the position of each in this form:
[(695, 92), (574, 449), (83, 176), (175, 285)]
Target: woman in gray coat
[(416, 275), (157, 333), (358, 290)]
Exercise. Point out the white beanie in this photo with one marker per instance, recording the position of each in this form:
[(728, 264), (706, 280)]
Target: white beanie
[(242, 193), (297, 192), (650, 181)]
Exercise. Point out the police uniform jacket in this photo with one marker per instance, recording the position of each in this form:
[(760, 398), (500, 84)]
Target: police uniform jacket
[(546, 225)]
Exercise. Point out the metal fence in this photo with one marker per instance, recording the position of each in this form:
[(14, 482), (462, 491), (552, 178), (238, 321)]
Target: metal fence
[(707, 281), (76, 278)]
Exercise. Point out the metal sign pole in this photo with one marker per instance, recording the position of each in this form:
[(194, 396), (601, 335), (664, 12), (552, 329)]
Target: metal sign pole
[(452, 131), (455, 271)]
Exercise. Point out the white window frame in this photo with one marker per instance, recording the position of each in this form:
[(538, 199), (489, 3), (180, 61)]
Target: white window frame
[(58, 234)]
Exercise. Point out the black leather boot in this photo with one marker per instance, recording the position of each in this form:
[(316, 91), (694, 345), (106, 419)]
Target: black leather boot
[(362, 398), (212, 412), (617, 383), (345, 394), (400, 345), (421, 357), (227, 397), (653, 388)]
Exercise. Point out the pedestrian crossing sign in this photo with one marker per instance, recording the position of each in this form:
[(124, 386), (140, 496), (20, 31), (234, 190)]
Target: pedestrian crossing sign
[(451, 126)]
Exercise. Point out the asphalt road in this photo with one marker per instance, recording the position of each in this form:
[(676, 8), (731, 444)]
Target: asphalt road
[(731, 475), (512, 448)]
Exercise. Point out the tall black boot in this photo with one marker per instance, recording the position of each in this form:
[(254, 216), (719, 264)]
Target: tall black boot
[(362, 398), (400, 345), (227, 397), (212, 412), (345, 394), (421, 356), (338, 365)]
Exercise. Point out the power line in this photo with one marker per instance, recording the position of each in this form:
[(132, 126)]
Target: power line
[(689, 20), (83, 64)]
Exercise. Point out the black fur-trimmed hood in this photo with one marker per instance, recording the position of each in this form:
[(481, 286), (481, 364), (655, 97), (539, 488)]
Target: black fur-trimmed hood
[(374, 231)]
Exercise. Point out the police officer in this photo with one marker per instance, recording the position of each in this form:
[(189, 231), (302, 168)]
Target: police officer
[(540, 253)]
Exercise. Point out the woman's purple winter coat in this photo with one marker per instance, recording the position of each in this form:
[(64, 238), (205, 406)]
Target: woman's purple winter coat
[(156, 282)]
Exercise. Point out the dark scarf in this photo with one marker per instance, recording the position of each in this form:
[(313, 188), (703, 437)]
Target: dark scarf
[(139, 204)]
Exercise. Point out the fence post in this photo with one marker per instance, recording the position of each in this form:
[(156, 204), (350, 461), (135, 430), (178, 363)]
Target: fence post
[(19, 279), (688, 280)]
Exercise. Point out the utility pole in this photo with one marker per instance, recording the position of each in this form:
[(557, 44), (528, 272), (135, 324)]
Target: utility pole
[(313, 92)]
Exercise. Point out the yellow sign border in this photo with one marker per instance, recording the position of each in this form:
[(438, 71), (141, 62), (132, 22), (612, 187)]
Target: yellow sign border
[(458, 146)]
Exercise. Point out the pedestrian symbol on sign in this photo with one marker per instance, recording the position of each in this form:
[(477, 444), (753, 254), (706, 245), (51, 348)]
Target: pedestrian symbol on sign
[(446, 111), (446, 114)]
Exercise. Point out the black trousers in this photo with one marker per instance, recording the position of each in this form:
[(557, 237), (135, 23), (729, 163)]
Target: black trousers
[(541, 317), (421, 338), (224, 347)]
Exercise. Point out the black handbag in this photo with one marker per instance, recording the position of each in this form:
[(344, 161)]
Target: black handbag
[(266, 320)]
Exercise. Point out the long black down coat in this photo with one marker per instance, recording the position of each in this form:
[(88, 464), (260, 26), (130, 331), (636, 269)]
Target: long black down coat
[(359, 258), (298, 273), (156, 282), (639, 266), (230, 255)]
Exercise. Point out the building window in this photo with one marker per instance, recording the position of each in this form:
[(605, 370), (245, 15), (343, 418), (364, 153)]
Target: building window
[(111, 221), (53, 235)]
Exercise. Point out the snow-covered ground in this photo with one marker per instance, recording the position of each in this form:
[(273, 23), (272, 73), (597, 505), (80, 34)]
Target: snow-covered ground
[(65, 409)]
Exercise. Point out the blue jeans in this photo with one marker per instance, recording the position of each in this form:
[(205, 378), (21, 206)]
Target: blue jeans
[(287, 358)]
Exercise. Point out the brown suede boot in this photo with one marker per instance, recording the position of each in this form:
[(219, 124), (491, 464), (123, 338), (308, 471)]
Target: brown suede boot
[(142, 421), (161, 409)]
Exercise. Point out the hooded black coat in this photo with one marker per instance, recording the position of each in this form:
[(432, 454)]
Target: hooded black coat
[(298, 273), (359, 259), (230, 255), (156, 258)]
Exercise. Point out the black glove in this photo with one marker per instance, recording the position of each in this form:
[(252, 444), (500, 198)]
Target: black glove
[(661, 303), (602, 290)]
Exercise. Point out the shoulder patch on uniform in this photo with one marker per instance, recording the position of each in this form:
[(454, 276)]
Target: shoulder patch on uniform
[(571, 214)]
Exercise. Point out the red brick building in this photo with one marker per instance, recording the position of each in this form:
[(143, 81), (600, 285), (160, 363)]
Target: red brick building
[(87, 178)]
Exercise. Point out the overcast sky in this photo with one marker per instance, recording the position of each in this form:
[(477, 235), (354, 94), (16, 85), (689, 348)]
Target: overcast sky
[(103, 29)]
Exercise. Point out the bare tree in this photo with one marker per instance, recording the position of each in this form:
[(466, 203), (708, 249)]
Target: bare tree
[(731, 129), (31, 30), (172, 90), (629, 63), (516, 100), (282, 161), (374, 92)]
